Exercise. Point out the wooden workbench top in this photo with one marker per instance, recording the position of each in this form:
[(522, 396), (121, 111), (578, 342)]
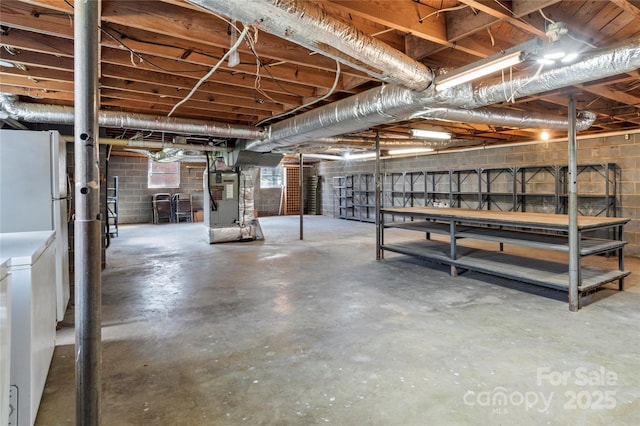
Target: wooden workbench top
[(559, 221)]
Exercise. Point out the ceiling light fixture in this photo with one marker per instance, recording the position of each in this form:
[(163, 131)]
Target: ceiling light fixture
[(4, 63), (322, 156), (410, 151), (478, 69), (430, 134), (350, 156), (560, 48)]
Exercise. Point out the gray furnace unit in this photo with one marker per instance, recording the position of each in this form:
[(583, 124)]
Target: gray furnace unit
[(224, 197), (222, 208)]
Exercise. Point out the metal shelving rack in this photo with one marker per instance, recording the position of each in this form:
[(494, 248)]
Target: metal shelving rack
[(597, 189), (364, 201), (537, 189), (497, 187), (112, 206), (438, 184), (534, 188), (342, 197), (466, 188)]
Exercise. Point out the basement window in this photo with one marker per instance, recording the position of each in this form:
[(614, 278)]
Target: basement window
[(271, 177), (163, 175)]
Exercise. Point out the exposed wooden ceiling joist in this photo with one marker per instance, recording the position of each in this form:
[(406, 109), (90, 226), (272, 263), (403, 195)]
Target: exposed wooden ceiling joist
[(151, 57)]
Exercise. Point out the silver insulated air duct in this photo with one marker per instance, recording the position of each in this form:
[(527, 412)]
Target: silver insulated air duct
[(617, 59), (387, 104), (308, 25), (506, 118), (380, 105), (56, 114)]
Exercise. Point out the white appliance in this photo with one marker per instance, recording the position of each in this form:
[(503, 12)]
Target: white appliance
[(5, 341), (34, 194), (32, 258)]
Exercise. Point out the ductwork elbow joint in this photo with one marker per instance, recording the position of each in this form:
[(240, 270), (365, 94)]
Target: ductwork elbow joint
[(585, 120), (7, 101)]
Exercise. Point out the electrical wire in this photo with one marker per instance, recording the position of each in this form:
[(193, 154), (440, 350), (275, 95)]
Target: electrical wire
[(582, 41), (214, 206), (138, 55), (325, 96), (213, 70), (493, 41), (231, 24), (533, 77), (437, 12), (261, 65), (545, 17)]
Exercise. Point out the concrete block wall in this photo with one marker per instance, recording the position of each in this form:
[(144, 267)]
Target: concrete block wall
[(622, 149), (134, 197)]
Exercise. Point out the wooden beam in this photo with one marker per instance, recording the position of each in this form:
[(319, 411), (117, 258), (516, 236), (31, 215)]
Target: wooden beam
[(404, 16), (627, 6), (183, 83), (288, 73), (289, 80), (521, 8), (24, 16), (36, 93), (607, 92), (35, 83), (201, 27), (190, 104), (159, 109), (41, 43), (177, 94), (495, 10), (29, 58), (38, 73)]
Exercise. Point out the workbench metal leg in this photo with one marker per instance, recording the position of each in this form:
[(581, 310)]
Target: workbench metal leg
[(453, 254), (620, 251), (620, 258)]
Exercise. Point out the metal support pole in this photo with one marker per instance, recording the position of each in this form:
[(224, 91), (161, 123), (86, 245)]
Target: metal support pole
[(574, 255), (88, 223), (301, 191), (378, 182)]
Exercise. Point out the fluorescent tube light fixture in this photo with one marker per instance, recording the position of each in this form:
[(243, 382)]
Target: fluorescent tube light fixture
[(478, 69), (409, 151), (350, 156), (322, 156), (430, 134)]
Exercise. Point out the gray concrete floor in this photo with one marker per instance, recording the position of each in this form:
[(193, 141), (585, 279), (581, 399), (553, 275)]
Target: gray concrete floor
[(289, 332)]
